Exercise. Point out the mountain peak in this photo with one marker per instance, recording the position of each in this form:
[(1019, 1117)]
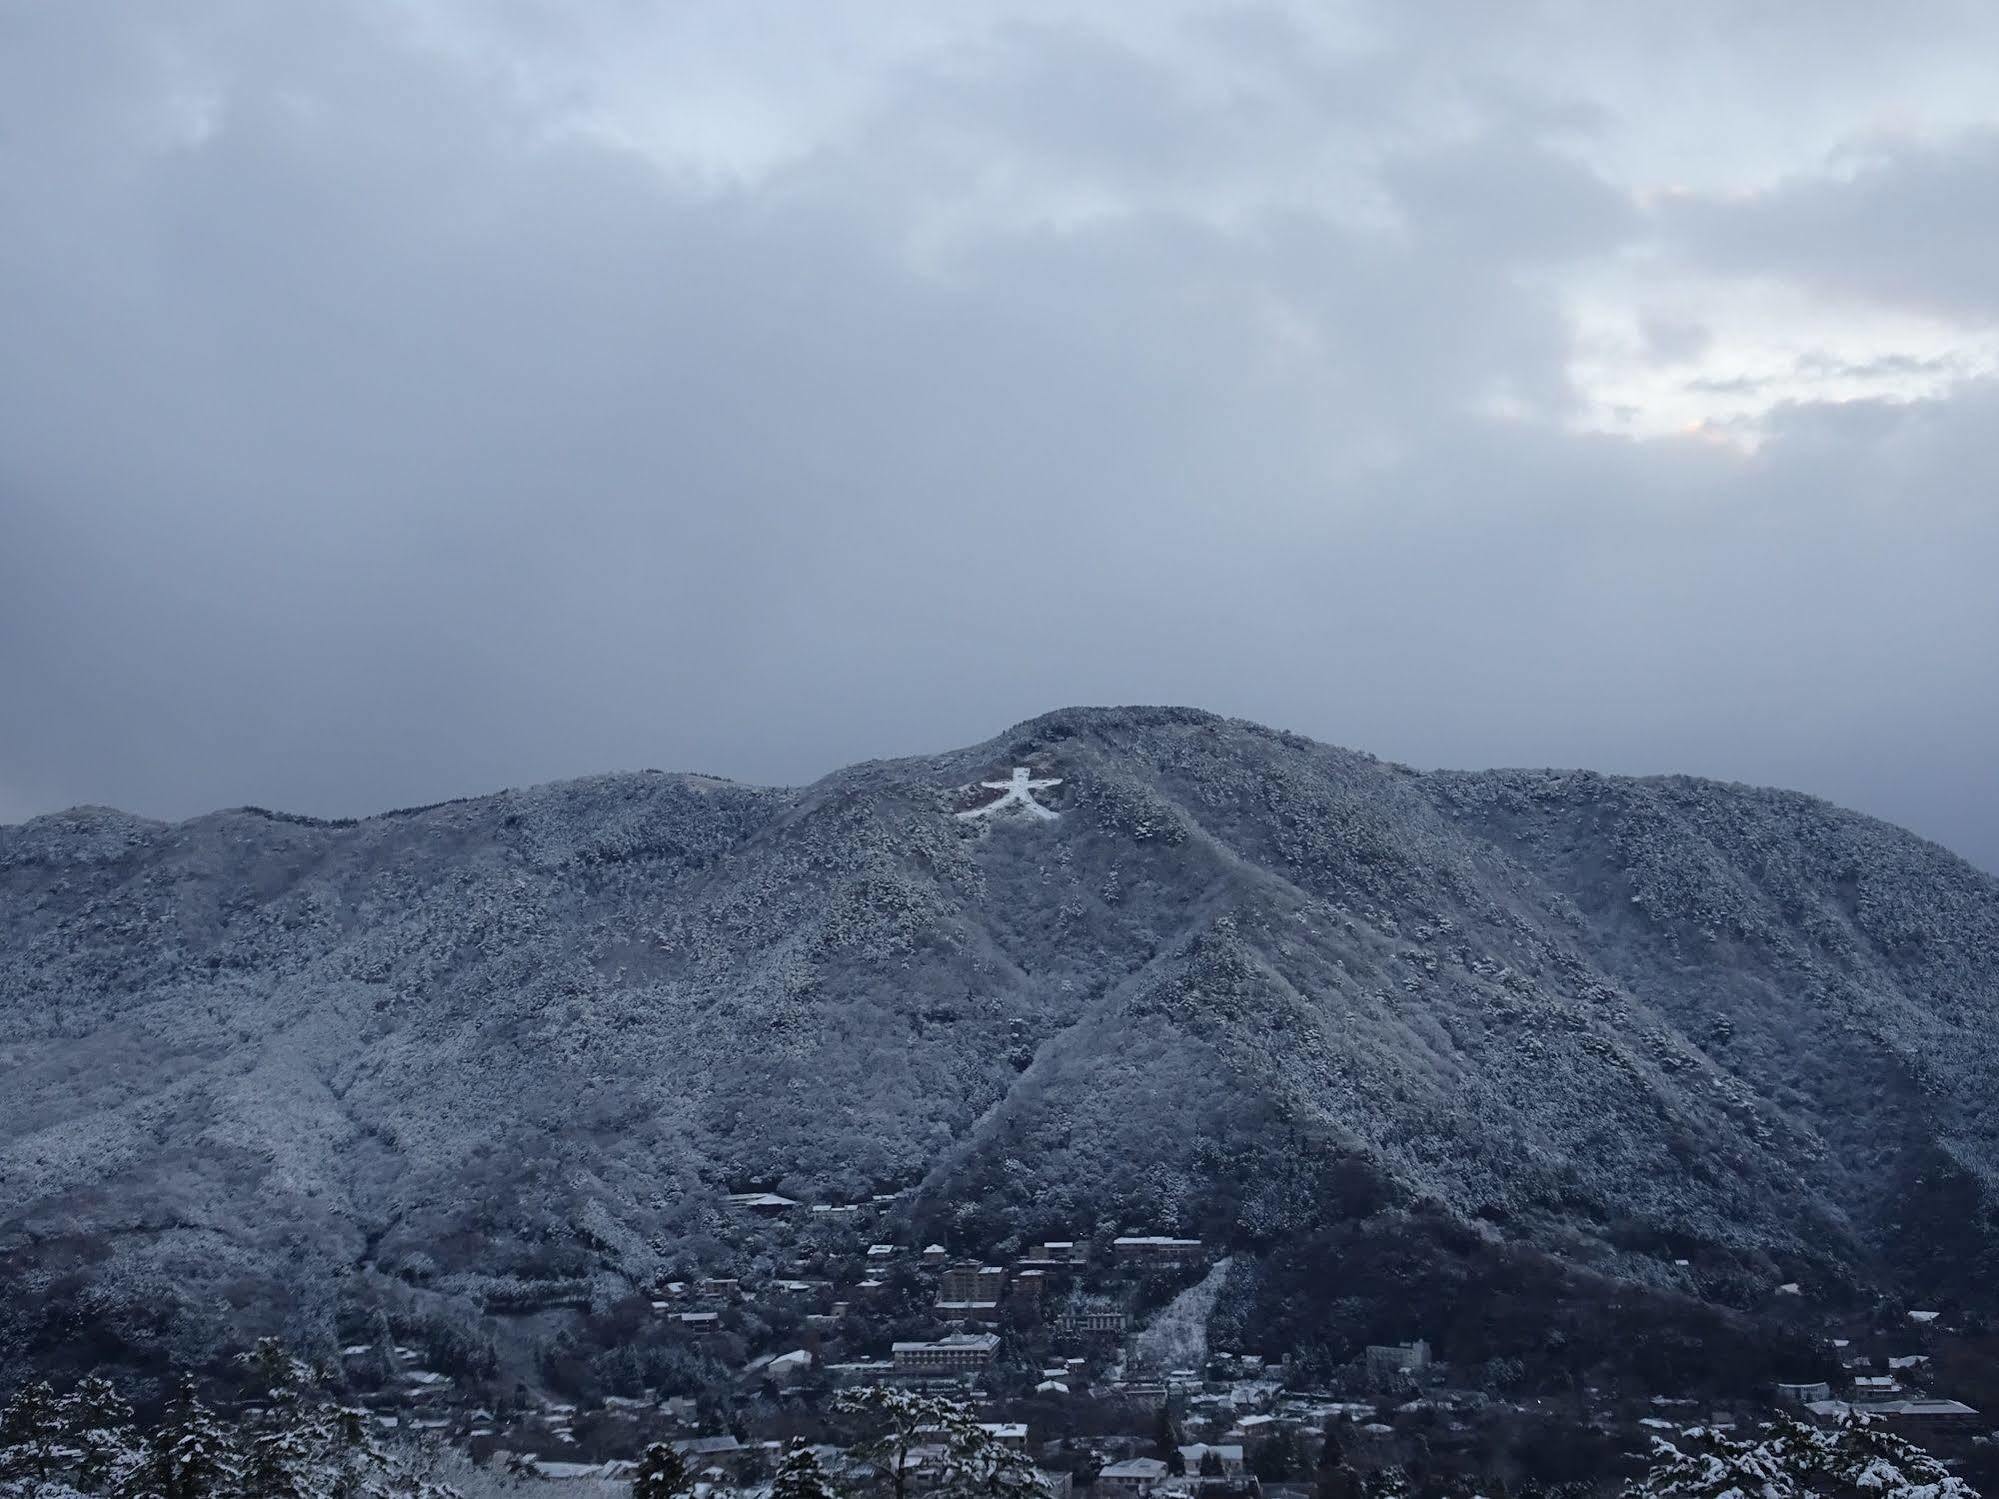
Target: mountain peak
[(1238, 986)]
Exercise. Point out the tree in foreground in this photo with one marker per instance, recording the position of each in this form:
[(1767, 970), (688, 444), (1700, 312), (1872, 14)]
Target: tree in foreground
[(97, 1428), (972, 1460), (31, 1434), (188, 1456), (1858, 1459), (1276, 1459), (799, 1475), (662, 1474), (900, 1421)]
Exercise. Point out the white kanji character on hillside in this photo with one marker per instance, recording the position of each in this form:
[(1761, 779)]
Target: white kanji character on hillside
[(1019, 793)]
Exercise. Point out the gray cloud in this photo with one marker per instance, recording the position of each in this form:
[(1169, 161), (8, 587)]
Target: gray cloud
[(375, 427), (1903, 222)]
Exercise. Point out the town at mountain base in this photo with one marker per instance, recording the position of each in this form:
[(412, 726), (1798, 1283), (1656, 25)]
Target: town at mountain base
[(1641, 1083)]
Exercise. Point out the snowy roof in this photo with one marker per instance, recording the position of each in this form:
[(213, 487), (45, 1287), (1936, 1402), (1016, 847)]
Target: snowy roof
[(1922, 1316), (1051, 1387), (707, 1446), (561, 1470), (1136, 1467), (956, 1340)]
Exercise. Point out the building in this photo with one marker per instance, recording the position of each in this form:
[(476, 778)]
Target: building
[(1803, 1394), (785, 1368), (1135, 1475), (958, 1353), (971, 1290), (1926, 1415), (1155, 1249), (1007, 1433), (935, 1256), (1876, 1387), (1384, 1360), (1062, 1252), (767, 1203), (709, 1447), (865, 1371), (1911, 1416), (718, 1288), (1228, 1454), (1095, 1322)]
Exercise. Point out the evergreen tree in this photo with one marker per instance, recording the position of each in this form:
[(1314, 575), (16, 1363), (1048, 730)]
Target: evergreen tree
[(97, 1426), (1386, 1483), (1276, 1459), (1176, 1463), (272, 1370), (1331, 1453), (31, 1433), (187, 1457), (662, 1474), (1855, 1460), (980, 1465), (1165, 1430), (1211, 1464), (292, 1457), (902, 1420), (799, 1476)]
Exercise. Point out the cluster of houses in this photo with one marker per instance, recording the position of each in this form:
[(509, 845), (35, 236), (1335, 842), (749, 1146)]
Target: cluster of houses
[(971, 1299), (1883, 1397), (1074, 1293)]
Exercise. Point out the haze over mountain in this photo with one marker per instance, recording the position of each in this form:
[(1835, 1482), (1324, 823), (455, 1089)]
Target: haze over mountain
[(1698, 1039)]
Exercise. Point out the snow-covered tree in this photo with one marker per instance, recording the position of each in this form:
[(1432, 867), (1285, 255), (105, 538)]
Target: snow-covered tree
[(97, 1429), (978, 1463), (31, 1434), (799, 1475), (662, 1474), (975, 1461), (900, 1420), (272, 1369), (294, 1456), (1788, 1460), (188, 1456)]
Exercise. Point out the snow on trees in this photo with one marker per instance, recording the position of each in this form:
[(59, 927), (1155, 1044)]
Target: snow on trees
[(1857, 1459)]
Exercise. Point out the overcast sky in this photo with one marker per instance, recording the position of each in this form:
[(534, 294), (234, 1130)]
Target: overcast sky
[(400, 401)]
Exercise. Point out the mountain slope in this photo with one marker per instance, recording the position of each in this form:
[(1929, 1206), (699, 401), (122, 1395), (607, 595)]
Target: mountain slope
[(1244, 985)]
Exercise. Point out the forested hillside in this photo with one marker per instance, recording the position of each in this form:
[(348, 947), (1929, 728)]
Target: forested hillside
[(1503, 1042)]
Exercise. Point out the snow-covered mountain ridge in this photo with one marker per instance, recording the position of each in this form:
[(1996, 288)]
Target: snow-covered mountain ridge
[(1243, 985)]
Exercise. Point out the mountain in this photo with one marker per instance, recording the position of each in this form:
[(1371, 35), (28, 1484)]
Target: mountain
[(1449, 1053)]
